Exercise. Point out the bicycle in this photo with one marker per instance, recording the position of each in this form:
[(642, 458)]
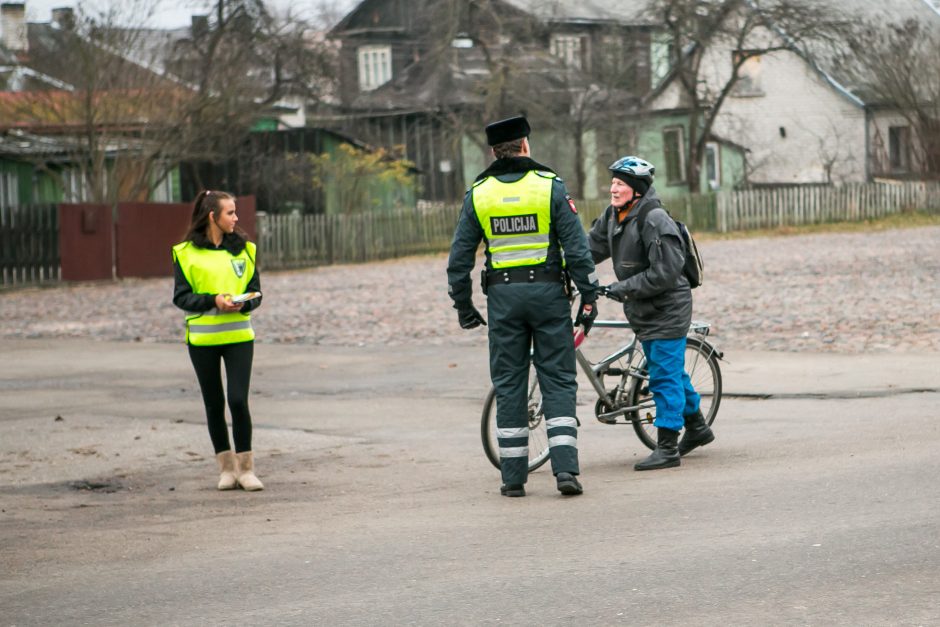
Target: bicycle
[(629, 399)]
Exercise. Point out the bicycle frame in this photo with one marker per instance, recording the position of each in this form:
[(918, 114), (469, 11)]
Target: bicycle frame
[(592, 370)]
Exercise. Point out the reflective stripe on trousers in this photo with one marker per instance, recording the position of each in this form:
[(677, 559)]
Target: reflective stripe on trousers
[(508, 442), (562, 431)]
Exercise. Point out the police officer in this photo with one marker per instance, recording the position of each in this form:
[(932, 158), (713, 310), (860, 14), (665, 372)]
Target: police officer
[(648, 256), (521, 209), (213, 264)]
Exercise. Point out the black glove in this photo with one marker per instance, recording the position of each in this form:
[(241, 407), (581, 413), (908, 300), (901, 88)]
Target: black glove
[(469, 317), (586, 315), (614, 291)]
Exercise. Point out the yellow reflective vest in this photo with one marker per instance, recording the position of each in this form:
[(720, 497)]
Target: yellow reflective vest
[(216, 271), (515, 217)]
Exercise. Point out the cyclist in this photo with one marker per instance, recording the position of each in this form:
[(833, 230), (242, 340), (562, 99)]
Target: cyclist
[(657, 301), (521, 209)]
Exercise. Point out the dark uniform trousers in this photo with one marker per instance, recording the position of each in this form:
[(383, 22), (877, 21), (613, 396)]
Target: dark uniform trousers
[(536, 317)]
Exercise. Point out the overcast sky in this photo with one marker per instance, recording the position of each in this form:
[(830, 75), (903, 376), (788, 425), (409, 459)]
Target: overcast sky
[(174, 13)]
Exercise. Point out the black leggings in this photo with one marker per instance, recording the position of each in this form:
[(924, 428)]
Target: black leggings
[(207, 360)]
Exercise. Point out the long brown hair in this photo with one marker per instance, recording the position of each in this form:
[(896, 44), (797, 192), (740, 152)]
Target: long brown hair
[(209, 201)]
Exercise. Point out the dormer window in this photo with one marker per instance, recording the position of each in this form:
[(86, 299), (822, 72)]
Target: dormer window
[(749, 74), (570, 49), (375, 66)]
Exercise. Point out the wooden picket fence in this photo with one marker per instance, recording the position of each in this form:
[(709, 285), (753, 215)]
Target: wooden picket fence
[(29, 245), (794, 206), (293, 241)]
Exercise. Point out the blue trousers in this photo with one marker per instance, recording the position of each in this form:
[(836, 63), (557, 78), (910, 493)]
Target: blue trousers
[(672, 389)]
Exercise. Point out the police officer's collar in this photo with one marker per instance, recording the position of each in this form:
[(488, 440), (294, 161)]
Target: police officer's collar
[(513, 165)]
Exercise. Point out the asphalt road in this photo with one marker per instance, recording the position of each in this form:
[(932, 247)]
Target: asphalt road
[(818, 504)]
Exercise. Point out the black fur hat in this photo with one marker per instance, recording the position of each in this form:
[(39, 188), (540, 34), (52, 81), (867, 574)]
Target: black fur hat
[(507, 130)]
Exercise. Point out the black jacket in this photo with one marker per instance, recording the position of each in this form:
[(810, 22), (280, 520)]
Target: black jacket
[(648, 268)]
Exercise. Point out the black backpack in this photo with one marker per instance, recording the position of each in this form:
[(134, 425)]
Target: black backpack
[(694, 267)]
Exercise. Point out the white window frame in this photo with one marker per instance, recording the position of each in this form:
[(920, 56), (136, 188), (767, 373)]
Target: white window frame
[(680, 131), (9, 189), (570, 48), (375, 66), (713, 152)]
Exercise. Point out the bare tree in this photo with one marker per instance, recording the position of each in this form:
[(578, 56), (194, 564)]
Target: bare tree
[(733, 32), (137, 104), (895, 64), (501, 57)]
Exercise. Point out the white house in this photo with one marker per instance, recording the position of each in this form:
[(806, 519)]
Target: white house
[(793, 118)]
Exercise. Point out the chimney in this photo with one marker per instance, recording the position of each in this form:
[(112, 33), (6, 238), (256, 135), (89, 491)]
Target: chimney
[(64, 18), (13, 26), (200, 26)]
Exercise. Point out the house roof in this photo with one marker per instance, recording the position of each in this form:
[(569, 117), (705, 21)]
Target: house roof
[(587, 11), (64, 111), (17, 143), (876, 12)]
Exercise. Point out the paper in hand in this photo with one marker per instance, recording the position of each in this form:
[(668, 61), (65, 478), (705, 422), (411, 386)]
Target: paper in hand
[(241, 298)]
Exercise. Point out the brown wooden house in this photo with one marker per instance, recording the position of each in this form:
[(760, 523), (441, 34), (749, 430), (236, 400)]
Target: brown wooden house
[(427, 75)]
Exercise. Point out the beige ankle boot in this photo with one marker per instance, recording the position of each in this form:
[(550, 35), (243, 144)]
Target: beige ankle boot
[(227, 480), (246, 472)]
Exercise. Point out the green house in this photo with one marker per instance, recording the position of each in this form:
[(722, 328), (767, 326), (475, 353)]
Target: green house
[(662, 139)]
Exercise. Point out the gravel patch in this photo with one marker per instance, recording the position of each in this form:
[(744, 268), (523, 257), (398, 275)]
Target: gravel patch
[(835, 292)]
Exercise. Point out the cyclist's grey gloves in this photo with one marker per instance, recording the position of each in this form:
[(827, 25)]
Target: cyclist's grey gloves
[(469, 317), (586, 315), (615, 291)]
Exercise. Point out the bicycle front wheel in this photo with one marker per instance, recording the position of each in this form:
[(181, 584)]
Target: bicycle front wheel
[(538, 433), (701, 362)]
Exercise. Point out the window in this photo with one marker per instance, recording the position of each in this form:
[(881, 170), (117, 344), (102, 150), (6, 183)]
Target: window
[(899, 148), (712, 165), (375, 66), (661, 54), (749, 75), (73, 186), (618, 65), (674, 152), (612, 53), (570, 49), (9, 190)]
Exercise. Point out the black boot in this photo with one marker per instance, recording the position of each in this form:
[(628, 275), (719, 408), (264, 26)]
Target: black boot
[(697, 433), (512, 489), (666, 454), (568, 484)]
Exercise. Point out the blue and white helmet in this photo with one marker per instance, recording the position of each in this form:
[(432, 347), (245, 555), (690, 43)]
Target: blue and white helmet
[(634, 167)]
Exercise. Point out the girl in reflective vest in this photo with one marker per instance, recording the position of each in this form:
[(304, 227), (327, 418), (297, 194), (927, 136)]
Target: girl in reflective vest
[(213, 265)]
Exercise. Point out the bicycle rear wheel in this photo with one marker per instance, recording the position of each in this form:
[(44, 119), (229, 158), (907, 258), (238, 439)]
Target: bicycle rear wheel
[(538, 434), (701, 362)]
